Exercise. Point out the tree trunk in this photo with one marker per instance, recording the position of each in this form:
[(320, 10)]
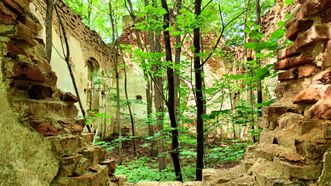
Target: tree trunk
[(89, 12), (159, 107), (178, 52), (149, 93), (199, 94), (149, 99), (259, 84), (67, 60), (171, 94), (118, 106), (48, 28), (133, 128)]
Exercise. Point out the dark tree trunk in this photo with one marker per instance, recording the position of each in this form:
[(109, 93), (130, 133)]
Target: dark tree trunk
[(199, 94), (118, 96), (133, 127), (48, 28), (178, 53), (171, 95), (67, 60), (258, 22), (159, 106)]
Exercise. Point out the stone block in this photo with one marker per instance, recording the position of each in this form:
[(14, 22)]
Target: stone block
[(310, 150), (285, 64), (246, 164), (24, 33), (82, 166), (74, 126), (298, 26), (286, 139), (317, 33), (21, 6), (111, 164), (15, 48), (309, 9), (68, 164), (99, 178), (65, 145), (26, 71), (289, 119), (7, 17), (41, 108), (69, 97), (323, 77), (45, 127), (310, 95), (289, 51), (306, 71), (93, 153), (32, 23), (265, 173), (288, 74), (88, 137), (322, 109), (51, 79), (298, 171)]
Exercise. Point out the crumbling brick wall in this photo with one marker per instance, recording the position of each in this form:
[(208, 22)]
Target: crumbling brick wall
[(295, 144), (30, 86)]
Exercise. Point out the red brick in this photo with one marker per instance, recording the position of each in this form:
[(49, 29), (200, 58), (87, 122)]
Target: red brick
[(306, 71), (309, 95), (289, 51), (294, 62), (308, 9), (27, 71), (322, 109), (69, 97), (14, 48), (317, 33), (21, 6), (44, 127), (323, 77), (6, 15), (288, 74), (296, 27)]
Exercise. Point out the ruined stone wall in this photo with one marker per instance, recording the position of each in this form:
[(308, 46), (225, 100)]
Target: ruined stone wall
[(84, 45), (41, 141), (295, 143)]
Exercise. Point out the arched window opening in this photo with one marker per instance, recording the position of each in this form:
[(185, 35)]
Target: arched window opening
[(93, 85)]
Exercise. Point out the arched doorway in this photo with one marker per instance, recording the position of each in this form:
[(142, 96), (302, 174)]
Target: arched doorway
[(93, 85)]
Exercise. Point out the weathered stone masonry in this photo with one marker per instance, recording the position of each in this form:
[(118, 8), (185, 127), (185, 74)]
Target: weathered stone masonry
[(295, 144), (30, 86)]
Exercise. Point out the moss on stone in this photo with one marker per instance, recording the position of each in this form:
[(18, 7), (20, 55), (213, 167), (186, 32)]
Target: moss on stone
[(26, 157)]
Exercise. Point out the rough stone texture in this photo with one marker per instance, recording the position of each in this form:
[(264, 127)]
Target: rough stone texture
[(42, 145), (294, 146), (91, 42)]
